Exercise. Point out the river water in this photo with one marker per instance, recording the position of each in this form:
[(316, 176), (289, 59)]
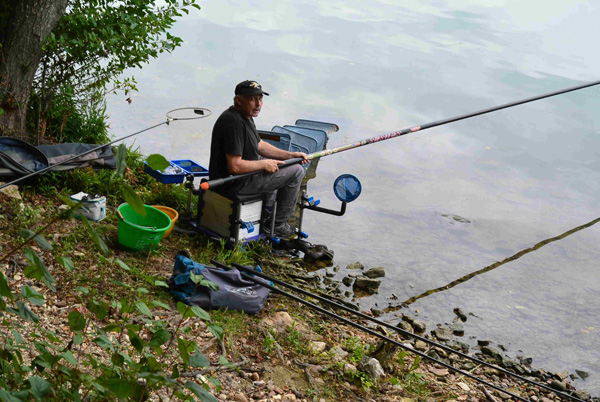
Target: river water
[(443, 203)]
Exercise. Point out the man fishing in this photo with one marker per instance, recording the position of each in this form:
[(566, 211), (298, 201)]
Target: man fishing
[(236, 148)]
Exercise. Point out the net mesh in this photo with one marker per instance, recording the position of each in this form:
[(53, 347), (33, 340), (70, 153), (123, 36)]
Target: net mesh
[(347, 188)]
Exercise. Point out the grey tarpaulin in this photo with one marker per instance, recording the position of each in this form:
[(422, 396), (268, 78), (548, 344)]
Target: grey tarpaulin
[(19, 158)]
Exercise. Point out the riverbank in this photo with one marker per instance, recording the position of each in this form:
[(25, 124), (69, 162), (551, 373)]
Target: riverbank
[(285, 352)]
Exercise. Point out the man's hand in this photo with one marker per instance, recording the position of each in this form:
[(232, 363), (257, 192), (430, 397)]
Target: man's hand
[(301, 155), (271, 165)]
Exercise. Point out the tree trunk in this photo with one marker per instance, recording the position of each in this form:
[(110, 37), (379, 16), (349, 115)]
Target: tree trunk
[(25, 31)]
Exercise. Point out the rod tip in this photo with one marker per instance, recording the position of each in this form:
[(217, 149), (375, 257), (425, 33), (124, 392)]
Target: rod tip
[(204, 186)]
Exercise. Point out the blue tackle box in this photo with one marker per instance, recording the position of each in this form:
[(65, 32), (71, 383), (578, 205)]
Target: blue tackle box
[(177, 171)]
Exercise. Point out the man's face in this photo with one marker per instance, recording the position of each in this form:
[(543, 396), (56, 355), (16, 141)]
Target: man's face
[(249, 105)]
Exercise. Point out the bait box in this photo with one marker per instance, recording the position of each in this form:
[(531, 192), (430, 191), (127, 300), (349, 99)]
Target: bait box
[(187, 165)]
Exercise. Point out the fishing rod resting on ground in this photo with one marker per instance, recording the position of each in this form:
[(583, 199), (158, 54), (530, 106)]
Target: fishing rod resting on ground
[(251, 271), (171, 116), (219, 182), (372, 332)]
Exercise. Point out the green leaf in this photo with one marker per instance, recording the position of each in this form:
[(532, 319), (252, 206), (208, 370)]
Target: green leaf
[(33, 296), (120, 387), (156, 303), (198, 359), (224, 362), (133, 199), (196, 278), (24, 312), (66, 262), (157, 162), (200, 392), (39, 387), (4, 288), (112, 328), (184, 310), (216, 331), (200, 312), (136, 342), (6, 396), (143, 308), (184, 352), (159, 338), (39, 239), (95, 237), (99, 308), (69, 357), (121, 153), (37, 269), (104, 342), (161, 283), (76, 320), (122, 265)]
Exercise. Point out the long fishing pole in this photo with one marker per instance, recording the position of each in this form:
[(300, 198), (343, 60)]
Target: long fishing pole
[(219, 182), (374, 333), (202, 112), (395, 328)]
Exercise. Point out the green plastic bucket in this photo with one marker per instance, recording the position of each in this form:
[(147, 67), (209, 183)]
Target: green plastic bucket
[(137, 232)]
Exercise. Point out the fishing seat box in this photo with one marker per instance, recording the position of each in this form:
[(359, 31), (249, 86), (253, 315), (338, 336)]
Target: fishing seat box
[(225, 216)]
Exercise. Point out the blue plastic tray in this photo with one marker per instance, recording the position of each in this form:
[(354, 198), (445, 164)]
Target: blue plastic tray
[(188, 166)]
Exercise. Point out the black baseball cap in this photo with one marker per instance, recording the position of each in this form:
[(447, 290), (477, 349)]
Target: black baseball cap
[(250, 88)]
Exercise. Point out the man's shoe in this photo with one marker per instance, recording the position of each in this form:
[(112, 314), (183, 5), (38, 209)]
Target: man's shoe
[(282, 231)]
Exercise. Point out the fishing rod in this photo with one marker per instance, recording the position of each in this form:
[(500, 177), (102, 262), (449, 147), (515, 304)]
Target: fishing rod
[(395, 328), (219, 182), (172, 115), (371, 332)]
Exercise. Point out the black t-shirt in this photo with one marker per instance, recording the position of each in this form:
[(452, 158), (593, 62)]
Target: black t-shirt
[(232, 134)]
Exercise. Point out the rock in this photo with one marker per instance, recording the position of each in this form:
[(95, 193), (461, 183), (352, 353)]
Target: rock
[(240, 398), (405, 326), (583, 395), (558, 385), (349, 369), (377, 312), (443, 333), (419, 326), (372, 367), (255, 377), (464, 386), (355, 265), (562, 375), (317, 347), (347, 281), (457, 329), (582, 374), (377, 272), (279, 321), (337, 353), (366, 285), (408, 319), (420, 345), (459, 313), (490, 351), (12, 191), (482, 342)]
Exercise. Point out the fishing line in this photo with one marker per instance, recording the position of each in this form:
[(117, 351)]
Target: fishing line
[(395, 328), (219, 182), (372, 332), (172, 115)]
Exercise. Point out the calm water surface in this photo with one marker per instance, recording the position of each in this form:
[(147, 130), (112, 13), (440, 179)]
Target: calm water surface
[(517, 176)]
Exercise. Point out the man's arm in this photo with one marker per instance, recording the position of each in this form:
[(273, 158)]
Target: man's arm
[(270, 151), (237, 165)]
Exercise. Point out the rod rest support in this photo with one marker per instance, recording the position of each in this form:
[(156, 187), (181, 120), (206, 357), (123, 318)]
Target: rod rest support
[(341, 212)]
